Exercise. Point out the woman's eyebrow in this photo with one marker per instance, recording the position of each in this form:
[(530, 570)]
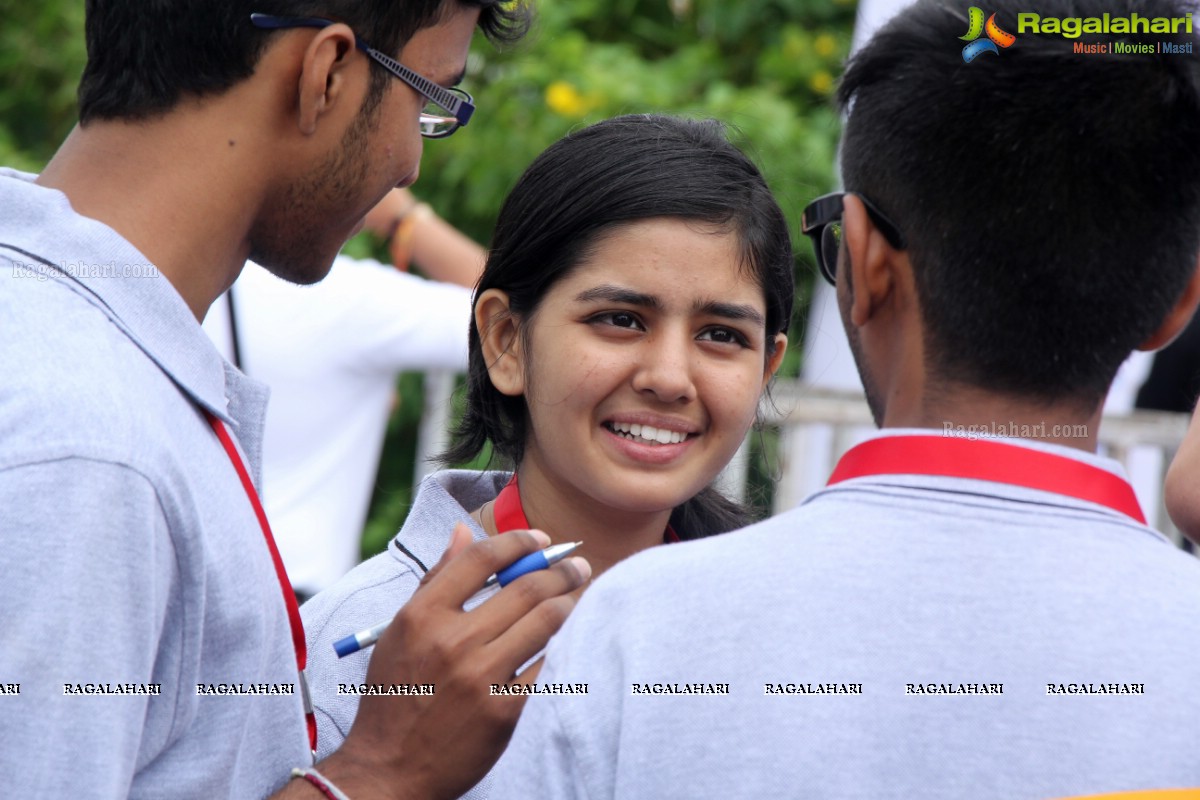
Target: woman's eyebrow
[(734, 311), (608, 293), (616, 294)]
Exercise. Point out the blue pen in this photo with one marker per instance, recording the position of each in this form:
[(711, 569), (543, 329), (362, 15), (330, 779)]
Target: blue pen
[(542, 559)]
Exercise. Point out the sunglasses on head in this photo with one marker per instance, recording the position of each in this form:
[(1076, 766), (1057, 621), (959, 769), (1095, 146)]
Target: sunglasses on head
[(822, 222)]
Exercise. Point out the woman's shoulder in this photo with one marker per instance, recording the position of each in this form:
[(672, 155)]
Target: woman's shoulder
[(378, 587), (444, 499), (373, 590)]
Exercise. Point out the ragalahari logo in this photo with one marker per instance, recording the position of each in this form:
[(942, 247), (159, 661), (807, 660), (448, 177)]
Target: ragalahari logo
[(996, 37)]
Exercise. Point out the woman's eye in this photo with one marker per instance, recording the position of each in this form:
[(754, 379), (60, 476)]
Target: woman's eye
[(724, 336), (619, 319)]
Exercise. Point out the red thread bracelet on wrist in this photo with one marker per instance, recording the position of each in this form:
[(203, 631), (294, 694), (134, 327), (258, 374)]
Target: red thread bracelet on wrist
[(320, 782)]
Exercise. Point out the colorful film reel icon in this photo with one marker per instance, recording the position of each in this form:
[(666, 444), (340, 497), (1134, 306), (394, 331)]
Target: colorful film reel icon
[(997, 37)]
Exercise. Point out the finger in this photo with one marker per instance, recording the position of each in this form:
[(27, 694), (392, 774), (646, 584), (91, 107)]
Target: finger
[(525, 595), (460, 539), (465, 572), (527, 637)]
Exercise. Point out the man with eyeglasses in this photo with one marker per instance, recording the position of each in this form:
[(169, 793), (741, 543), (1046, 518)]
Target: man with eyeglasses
[(974, 605), (148, 626)]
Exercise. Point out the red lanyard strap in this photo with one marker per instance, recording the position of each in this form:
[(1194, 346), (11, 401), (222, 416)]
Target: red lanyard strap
[(510, 516), (507, 511), (289, 597), (982, 460)]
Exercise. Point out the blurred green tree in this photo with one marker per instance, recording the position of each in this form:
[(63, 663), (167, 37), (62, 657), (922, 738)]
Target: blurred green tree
[(42, 54)]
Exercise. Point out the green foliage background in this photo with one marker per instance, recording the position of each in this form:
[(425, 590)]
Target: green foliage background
[(767, 67)]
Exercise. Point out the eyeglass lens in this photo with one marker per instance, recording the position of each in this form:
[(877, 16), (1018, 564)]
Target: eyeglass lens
[(436, 123)]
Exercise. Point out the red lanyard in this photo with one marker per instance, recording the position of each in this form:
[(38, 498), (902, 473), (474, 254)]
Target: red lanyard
[(510, 516), (999, 462), (289, 597)]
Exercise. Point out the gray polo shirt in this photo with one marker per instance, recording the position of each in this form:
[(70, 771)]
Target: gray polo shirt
[(142, 618), (894, 637)]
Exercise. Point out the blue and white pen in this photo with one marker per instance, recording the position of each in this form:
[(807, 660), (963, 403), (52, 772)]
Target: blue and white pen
[(533, 562)]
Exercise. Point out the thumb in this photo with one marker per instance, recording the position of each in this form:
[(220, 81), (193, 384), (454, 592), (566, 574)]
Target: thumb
[(460, 539)]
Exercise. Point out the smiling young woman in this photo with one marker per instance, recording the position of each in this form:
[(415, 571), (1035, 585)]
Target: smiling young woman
[(634, 306), (640, 371)]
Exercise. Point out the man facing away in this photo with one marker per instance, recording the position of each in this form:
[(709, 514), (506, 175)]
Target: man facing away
[(958, 614), (145, 627)]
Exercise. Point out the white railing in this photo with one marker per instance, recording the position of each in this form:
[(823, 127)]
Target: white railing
[(433, 437), (816, 426)]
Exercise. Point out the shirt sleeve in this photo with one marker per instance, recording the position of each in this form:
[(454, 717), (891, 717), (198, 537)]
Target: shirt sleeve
[(401, 322), (87, 571)]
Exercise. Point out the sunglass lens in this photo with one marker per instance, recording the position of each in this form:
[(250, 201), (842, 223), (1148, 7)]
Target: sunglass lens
[(831, 243)]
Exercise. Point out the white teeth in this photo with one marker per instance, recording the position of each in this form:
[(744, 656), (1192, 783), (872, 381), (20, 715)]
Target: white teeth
[(647, 434)]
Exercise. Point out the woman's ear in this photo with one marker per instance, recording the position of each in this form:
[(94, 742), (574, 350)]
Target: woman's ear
[(500, 342), (776, 358)]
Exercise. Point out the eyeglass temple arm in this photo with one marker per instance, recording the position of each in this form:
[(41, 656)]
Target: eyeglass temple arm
[(821, 211), (272, 22), (460, 108)]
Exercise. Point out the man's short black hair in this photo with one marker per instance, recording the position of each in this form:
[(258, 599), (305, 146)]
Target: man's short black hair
[(1051, 199), (145, 55)]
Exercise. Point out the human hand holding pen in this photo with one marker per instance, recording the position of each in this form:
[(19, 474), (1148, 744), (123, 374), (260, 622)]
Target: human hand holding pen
[(540, 559), (441, 745)]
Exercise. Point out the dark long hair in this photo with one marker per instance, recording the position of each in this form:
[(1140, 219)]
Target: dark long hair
[(612, 173)]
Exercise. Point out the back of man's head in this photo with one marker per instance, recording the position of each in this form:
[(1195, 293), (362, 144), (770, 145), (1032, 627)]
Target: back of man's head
[(144, 56), (1050, 198)]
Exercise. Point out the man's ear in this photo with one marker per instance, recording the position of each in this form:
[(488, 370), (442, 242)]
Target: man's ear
[(776, 358), (323, 81), (869, 258), (500, 342), (1178, 317)]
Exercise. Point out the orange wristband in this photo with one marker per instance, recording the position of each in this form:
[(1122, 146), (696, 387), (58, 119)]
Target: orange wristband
[(400, 244)]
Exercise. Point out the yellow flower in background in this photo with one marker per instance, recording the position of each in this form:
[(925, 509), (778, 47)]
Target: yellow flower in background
[(825, 45), (563, 98), (821, 82)]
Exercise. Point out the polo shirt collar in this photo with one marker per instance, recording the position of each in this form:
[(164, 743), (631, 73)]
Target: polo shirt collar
[(40, 224), (448, 492)]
